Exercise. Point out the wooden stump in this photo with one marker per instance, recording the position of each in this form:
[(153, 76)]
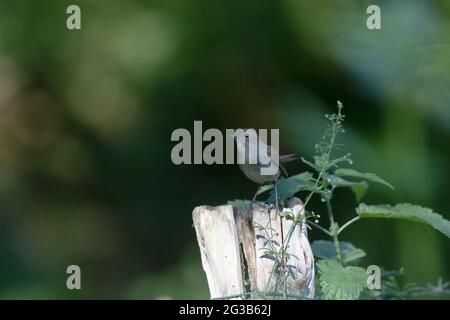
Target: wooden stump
[(232, 250)]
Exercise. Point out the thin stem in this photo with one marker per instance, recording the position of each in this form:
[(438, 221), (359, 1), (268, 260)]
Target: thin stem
[(270, 276), (273, 248), (319, 178), (294, 223), (330, 213), (308, 198), (348, 223), (319, 227), (337, 248), (323, 169), (333, 231)]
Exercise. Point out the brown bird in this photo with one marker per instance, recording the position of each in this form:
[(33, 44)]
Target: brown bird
[(247, 146)]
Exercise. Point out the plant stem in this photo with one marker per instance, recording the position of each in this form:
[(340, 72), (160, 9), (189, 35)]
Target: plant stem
[(330, 213), (308, 198), (333, 231), (338, 250), (347, 224), (295, 223), (325, 166), (319, 227)]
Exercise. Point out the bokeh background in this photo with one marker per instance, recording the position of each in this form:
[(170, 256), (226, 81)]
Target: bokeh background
[(86, 118)]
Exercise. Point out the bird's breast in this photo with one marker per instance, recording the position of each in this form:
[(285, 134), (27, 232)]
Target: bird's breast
[(253, 172)]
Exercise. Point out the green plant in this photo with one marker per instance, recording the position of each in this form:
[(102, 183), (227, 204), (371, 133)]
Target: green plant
[(339, 276)]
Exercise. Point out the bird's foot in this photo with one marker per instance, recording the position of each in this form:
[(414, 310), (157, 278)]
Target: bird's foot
[(274, 206), (262, 205)]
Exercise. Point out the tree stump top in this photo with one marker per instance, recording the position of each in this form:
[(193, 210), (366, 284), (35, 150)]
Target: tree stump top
[(235, 243)]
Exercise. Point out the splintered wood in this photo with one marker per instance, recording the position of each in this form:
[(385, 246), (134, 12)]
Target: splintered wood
[(237, 246)]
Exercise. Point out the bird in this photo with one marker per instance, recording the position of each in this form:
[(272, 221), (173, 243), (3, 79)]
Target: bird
[(246, 146)]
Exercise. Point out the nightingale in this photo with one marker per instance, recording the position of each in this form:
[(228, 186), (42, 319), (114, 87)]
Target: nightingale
[(249, 144)]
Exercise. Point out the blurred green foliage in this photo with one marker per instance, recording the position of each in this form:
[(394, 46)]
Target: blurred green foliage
[(86, 118)]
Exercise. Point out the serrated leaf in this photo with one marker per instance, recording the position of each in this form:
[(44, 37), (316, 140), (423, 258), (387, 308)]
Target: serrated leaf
[(406, 211), (239, 203), (363, 175), (353, 255), (359, 188), (287, 187), (325, 249), (339, 283)]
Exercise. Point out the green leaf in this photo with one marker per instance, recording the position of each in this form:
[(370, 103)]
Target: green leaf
[(287, 214), (359, 188), (265, 188), (408, 212), (239, 203), (339, 283), (286, 188), (353, 255), (366, 176), (324, 249)]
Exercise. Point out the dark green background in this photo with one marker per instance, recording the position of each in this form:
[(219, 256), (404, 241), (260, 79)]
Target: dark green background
[(86, 118)]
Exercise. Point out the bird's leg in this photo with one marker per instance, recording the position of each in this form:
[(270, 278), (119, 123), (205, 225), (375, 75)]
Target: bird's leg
[(256, 194), (264, 205), (254, 199), (276, 197)]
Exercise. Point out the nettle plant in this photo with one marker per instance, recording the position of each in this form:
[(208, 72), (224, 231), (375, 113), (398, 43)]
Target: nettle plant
[(339, 274)]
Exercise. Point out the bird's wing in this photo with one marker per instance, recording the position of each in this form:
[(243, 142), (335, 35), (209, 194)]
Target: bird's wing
[(286, 158), (267, 155)]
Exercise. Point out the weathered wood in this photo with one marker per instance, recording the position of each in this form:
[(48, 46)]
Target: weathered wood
[(246, 235), (219, 248), (299, 246), (232, 249), (273, 229)]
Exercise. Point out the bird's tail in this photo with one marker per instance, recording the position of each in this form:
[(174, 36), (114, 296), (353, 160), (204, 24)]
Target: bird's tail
[(288, 157)]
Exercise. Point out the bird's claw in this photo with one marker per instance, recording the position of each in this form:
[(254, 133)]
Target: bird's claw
[(263, 205), (274, 206)]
